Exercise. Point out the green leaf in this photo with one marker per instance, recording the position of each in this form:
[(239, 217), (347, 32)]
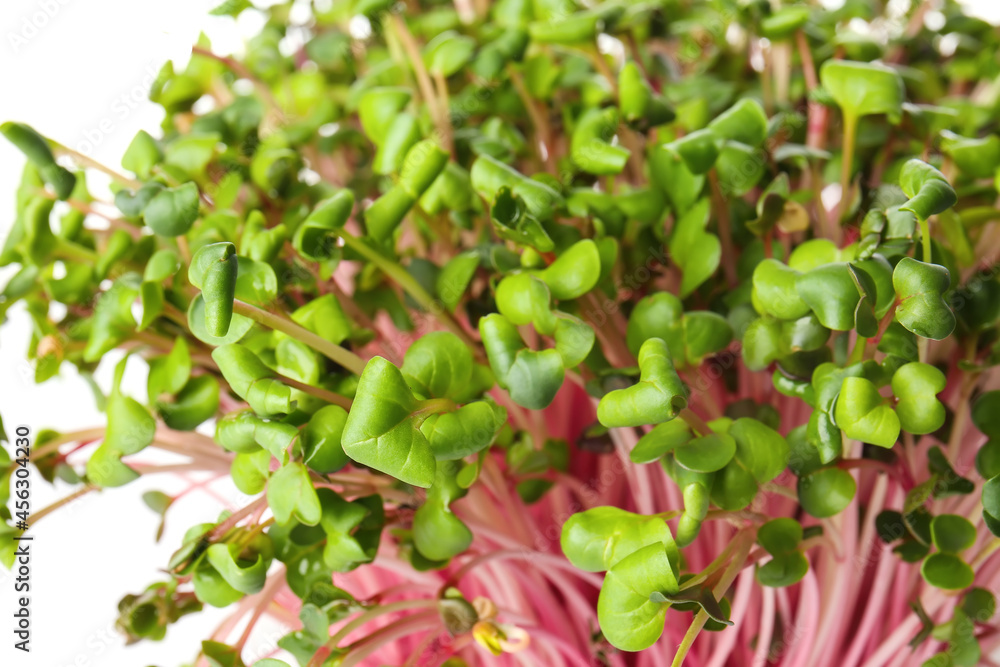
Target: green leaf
[(252, 380), (512, 221), (629, 619), (696, 251), (448, 53), (658, 396), (761, 450), (471, 428), (438, 365), (986, 413), (245, 576), (172, 211), (780, 536), (250, 471), (574, 272), (141, 155), (826, 492), (783, 570), (699, 150), (196, 403), (130, 430), (775, 291), (211, 588), (37, 150), (952, 533), (168, 374), (437, 533), (690, 337), (421, 166), (215, 269), (489, 175), (597, 539), (381, 431), (928, 189), (707, 453), (977, 158), (532, 378), (661, 439), (455, 277), (670, 173), (379, 107), (922, 309), (316, 238), (946, 571), (863, 89), (112, 321), (862, 414), (321, 438), (590, 148), (744, 122), (342, 521), (290, 493), (831, 294), (916, 385)]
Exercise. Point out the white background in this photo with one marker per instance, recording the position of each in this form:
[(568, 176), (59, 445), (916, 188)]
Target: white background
[(78, 71)]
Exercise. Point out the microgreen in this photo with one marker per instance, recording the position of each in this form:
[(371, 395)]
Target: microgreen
[(436, 286)]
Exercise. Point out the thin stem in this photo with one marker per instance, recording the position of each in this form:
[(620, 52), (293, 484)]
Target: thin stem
[(409, 284), (45, 511), (266, 594), (342, 356), (234, 518), (847, 160), (54, 444), (745, 543), (441, 83), (725, 228), (694, 421), (86, 161), (543, 138), (416, 61), (318, 392)]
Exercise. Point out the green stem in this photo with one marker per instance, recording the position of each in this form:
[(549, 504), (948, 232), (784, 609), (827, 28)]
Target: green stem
[(694, 421), (409, 284), (85, 161), (74, 252), (724, 227), (858, 351), (42, 513), (53, 445), (745, 543), (344, 357), (925, 239), (846, 161)]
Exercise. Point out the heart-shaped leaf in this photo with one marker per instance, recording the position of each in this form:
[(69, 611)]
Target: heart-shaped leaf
[(629, 619), (696, 251), (658, 396), (863, 89), (916, 385), (920, 288), (172, 211), (597, 539), (826, 492), (245, 576), (381, 431), (862, 414), (290, 493), (929, 191)]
